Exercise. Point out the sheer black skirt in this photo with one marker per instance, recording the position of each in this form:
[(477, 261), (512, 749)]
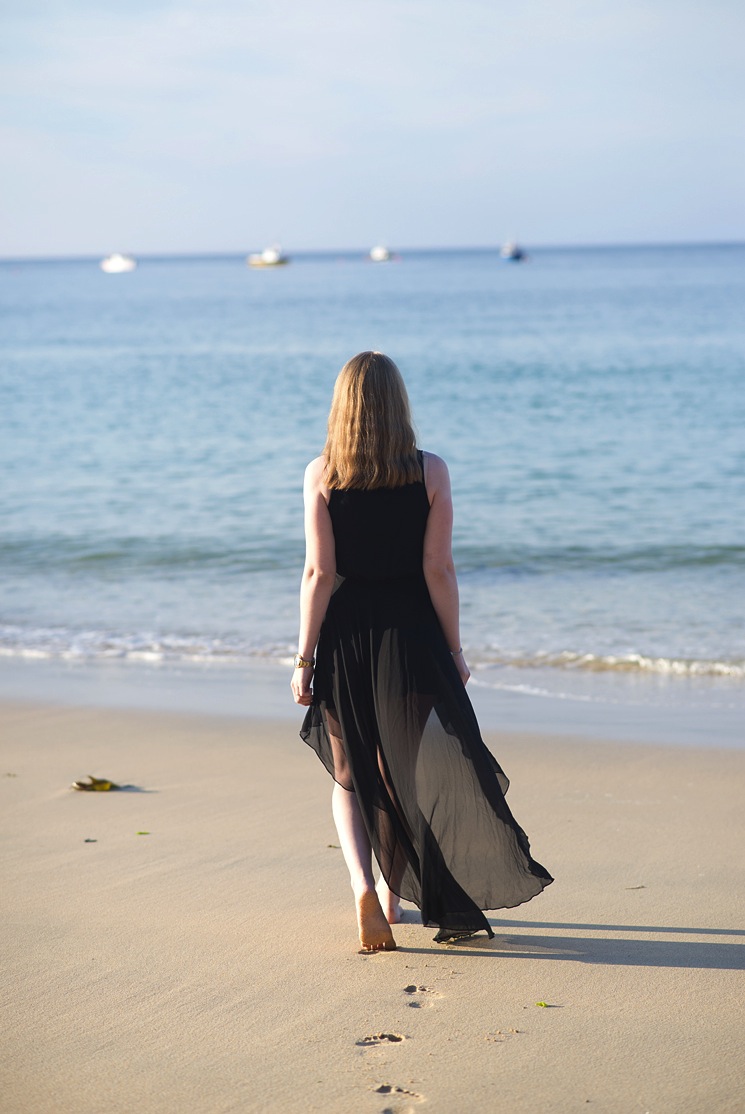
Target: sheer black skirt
[(391, 721)]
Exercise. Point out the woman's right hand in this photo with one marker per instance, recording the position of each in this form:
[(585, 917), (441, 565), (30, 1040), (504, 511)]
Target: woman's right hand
[(300, 685)]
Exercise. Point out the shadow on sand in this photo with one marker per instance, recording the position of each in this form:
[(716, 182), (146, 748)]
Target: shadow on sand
[(623, 949)]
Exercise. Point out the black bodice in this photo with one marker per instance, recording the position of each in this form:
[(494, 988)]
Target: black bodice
[(379, 534)]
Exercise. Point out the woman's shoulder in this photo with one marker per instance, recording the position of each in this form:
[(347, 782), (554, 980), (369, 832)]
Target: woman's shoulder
[(435, 467), (315, 469), (436, 475), (315, 475)]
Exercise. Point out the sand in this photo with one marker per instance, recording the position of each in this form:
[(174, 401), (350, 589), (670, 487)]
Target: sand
[(200, 955)]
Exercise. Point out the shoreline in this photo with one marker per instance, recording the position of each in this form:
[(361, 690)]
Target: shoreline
[(192, 945), (318, 254), (618, 709)]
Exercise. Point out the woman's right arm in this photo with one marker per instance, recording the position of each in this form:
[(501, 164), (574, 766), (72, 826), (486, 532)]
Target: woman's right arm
[(319, 574), (438, 567)]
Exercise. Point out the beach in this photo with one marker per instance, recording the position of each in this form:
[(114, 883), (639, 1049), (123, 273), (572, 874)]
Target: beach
[(189, 942)]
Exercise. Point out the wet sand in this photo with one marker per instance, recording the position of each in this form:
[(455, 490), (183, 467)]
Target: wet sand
[(190, 943)]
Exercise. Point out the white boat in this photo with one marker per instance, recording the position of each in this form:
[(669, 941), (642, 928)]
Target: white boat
[(118, 264), (269, 257), (513, 252), (380, 254)]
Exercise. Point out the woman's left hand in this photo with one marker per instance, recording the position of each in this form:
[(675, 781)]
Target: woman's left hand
[(462, 667), (300, 685)]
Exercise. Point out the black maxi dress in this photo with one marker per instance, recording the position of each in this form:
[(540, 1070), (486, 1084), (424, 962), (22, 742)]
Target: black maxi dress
[(391, 720)]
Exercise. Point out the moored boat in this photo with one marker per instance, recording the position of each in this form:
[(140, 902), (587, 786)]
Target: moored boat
[(512, 252), (269, 257), (118, 264)]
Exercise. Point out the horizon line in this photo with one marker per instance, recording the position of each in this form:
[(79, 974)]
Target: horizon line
[(364, 252)]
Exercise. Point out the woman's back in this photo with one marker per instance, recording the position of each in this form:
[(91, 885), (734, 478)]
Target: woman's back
[(379, 534)]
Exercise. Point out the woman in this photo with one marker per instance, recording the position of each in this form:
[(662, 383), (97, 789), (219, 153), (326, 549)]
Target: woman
[(382, 672)]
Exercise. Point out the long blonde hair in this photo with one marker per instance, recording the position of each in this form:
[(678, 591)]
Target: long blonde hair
[(370, 441)]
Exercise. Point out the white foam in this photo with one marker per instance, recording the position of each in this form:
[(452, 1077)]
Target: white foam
[(151, 647), (619, 663), (534, 690)]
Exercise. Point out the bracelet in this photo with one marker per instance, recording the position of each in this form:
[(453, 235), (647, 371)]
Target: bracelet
[(454, 653), (300, 662)]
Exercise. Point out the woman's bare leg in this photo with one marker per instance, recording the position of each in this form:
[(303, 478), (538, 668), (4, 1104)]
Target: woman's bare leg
[(375, 933), (390, 902)]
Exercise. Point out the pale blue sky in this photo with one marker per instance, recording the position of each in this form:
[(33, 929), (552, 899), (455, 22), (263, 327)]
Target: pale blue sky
[(223, 125)]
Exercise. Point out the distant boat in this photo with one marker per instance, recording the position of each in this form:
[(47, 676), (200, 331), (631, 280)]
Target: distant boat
[(118, 264), (380, 254), (513, 252), (269, 257)]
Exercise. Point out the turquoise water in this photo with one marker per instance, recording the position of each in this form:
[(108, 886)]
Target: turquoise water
[(154, 428)]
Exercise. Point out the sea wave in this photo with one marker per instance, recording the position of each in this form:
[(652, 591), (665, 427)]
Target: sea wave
[(63, 643), (624, 663), (105, 556), (640, 559), (154, 556)]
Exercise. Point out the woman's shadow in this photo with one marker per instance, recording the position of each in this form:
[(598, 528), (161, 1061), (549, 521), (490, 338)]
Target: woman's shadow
[(623, 949)]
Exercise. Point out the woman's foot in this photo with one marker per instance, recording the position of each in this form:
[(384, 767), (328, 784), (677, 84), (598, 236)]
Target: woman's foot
[(390, 902), (375, 931)]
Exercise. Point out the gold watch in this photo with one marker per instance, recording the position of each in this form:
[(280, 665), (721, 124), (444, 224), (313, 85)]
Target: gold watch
[(300, 662)]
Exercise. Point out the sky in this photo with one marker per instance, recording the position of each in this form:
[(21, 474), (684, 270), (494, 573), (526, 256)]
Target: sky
[(227, 125)]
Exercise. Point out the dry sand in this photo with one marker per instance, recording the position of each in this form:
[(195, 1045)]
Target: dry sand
[(210, 965)]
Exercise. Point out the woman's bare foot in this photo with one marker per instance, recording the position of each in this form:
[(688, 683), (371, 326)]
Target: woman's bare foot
[(375, 932), (390, 902)]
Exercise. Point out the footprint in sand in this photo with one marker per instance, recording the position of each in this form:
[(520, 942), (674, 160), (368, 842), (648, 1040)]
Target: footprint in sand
[(396, 1092), (380, 1038), (392, 1089), (417, 993), (501, 1035)]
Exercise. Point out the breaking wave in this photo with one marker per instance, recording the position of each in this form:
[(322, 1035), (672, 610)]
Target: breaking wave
[(63, 643)]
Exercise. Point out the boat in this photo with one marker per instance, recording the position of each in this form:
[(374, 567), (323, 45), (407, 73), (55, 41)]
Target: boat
[(513, 252), (269, 257), (118, 264), (380, 254)]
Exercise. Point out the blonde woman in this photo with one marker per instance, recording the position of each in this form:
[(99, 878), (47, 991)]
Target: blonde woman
[(381, 670)]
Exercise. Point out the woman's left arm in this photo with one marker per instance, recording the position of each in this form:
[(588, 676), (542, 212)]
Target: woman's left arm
[(319, 574)]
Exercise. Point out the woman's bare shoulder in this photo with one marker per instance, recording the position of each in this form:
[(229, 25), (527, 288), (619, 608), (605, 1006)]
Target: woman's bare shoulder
[(434, 460), (436, 475), (314, 471), (315, 477), (435, 468)]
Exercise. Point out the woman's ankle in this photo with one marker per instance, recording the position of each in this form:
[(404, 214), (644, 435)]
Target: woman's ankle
[(362, 886)]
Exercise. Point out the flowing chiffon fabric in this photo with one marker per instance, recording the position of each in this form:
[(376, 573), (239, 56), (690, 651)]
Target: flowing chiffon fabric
[(392, 722)]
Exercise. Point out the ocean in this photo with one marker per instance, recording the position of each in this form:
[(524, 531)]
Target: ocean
[(154, 428)]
